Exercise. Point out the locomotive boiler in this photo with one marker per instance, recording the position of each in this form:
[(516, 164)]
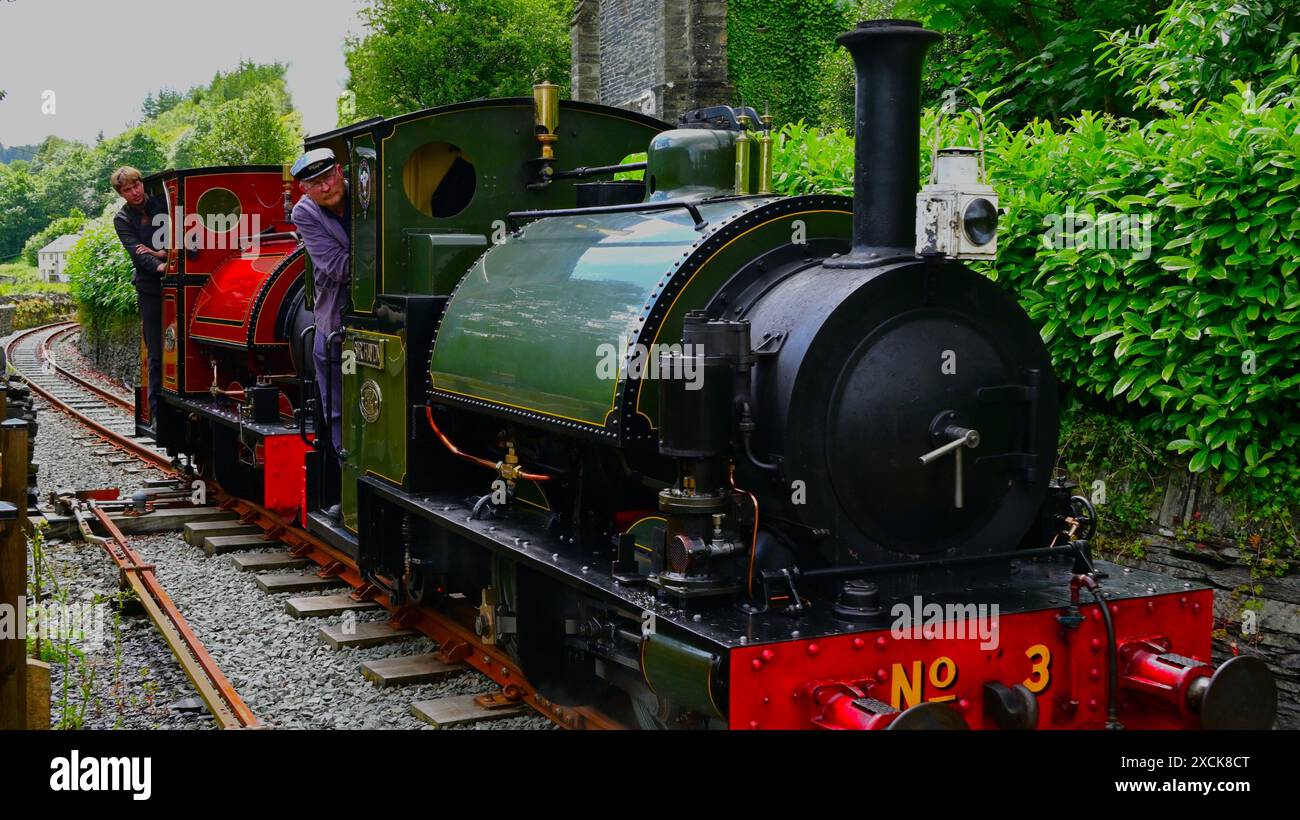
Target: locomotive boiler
[(702, 455)]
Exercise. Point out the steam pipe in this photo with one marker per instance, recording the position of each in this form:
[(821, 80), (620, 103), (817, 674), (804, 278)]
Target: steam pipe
[(887, 58)]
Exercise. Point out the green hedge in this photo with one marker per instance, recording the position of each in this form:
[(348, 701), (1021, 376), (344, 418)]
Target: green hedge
[(1201, 338), (100, 273)]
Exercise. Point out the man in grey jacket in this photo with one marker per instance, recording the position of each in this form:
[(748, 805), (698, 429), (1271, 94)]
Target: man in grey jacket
[(323, 218)]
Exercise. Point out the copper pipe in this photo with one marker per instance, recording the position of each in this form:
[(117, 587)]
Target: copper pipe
[(753, 545), (482, 462)]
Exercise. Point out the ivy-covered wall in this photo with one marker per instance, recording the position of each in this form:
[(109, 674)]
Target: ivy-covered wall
[(775, 49)]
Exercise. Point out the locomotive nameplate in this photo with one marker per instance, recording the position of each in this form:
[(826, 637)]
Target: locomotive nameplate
[(370, 352)]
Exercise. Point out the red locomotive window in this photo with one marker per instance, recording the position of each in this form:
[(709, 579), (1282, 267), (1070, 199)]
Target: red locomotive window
[(219, 209)]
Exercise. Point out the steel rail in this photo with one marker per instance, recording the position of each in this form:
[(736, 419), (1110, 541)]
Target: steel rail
[(213, 687), (104, 393), (453, 637), (129, 445), (441, 627)]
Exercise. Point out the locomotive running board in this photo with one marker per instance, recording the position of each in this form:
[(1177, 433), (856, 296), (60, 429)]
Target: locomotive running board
[(1038, 585)]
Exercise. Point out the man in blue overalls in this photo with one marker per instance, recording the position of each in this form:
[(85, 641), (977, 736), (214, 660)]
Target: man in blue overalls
[(323, 218)]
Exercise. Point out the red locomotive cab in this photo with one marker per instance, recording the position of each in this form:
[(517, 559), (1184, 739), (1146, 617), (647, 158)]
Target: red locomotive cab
[(239, 271), (233, 304)]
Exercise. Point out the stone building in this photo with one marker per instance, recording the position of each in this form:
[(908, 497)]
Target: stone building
[(658, 57)]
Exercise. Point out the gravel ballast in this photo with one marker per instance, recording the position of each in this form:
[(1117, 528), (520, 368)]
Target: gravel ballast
[(277, 663)]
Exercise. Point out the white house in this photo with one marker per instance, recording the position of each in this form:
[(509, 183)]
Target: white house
[(54, 256)]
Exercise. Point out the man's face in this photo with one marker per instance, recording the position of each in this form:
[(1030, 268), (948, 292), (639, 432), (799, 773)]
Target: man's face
[(133, 193), (326, 190)]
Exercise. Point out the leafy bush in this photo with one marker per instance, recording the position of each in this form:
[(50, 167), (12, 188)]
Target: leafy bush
[(100, 273), (36, 310), (622, 176), (1198, 48), (1202, 333), (806, 162), (1200, 336)]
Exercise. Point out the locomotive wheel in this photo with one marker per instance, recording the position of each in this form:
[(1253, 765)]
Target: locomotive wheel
[(421, 589)]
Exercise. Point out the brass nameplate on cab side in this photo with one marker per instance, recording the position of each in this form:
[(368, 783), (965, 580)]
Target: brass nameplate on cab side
[(370, 352)]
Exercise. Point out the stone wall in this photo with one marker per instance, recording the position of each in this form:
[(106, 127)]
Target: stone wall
[(113, 348), (657, 57), (1192, 536), (27, 310)]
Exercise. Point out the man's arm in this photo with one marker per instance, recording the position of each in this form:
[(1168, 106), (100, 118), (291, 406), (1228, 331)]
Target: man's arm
[(330, 258), (141, 260)]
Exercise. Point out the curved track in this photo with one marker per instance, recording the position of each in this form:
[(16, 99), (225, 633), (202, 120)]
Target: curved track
[(111, 417), (107, 415)]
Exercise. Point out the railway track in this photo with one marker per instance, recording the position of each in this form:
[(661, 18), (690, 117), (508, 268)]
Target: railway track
[(110, 417)]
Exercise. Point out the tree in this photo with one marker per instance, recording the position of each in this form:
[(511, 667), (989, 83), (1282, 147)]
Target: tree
[(166, 100), (67, 177), (421, 53), (20, 215), (1198, 49), (247, 131), (248, 78), (137, 147), (1040, 56), (15, 153)]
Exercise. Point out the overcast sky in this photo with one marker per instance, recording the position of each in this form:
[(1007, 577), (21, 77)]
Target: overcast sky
[(101, 57)]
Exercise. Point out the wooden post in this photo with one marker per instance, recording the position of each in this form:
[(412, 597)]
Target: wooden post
[(13, 571), (38, 694)]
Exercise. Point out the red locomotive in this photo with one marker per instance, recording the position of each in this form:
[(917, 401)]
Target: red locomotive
[(234, 307)]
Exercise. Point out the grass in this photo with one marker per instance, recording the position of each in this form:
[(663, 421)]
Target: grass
[(28, 281)]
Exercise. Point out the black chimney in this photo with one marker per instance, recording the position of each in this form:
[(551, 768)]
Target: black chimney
[(887, 56)]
